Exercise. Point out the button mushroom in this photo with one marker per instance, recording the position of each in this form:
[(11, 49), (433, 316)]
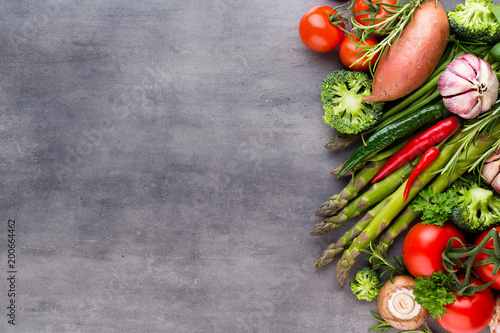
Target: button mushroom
[(396, 304)]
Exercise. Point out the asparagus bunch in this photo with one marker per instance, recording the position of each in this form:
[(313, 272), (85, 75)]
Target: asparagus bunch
[(339, 246), (394, 204), (373, 195), (355, 185)]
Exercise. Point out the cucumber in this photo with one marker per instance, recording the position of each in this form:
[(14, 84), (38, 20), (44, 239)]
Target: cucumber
[(392, 132)]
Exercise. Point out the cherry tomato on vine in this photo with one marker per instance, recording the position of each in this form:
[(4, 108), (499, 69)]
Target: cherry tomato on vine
[(360, 5), (469, 314), (485, 272), (349, 53), (424, 244), (317, 32)]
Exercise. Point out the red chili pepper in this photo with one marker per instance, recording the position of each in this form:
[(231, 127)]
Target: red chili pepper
[(418, 145), (429, 156)]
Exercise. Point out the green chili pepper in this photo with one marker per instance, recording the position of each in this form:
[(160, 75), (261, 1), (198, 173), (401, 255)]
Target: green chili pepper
[(393, 132)]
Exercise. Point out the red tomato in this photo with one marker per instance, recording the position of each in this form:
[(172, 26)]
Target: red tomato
[(317, 32), (469, 314), (485, 272), (349, 53), (424, 244), (360, 6)]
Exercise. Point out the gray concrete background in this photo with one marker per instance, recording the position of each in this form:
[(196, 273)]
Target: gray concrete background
[(163, 161)]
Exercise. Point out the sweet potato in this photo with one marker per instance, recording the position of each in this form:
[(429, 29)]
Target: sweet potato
[(412, 59)]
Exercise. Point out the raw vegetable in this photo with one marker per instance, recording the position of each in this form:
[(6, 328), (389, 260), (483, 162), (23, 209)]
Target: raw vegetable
[(389, 209), (368, 198), (397, 227), (482, 131), (333, 250), (474, 20), (433, 293), (428, 92), (469, 313), (460, 304), (388, 214), (435, 207), (424, 245), (341, 141), (384, 213), (487, 271), (370, 12), (338, 201), (429, 156), (379, 261), (473, 307), (397, 306), (350, 53), (417, 145), (491, 170), (469, 86), (342, 93), (478, 206), (366, 284), (426, 34), (317, 32), (393, 132)]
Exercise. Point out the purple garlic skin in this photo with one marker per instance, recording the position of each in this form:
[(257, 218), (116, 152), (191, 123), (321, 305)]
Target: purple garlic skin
[(491, 170), (469, 86)]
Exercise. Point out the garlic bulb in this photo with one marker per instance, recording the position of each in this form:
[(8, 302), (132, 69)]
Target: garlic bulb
[(491, 170), (469, 86)]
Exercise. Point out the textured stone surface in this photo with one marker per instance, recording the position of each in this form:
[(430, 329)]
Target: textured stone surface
[(163, 161)]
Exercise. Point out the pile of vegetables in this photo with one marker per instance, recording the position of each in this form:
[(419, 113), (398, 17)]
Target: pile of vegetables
[(419, 96)]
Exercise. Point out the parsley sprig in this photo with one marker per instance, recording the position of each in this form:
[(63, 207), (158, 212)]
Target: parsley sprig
[(432, 292), (435, 207)]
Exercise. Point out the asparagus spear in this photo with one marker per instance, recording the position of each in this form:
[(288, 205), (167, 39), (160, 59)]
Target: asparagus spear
[(342, 141), (356, 184), (334, 249), (395, 203), (396, 228), (409, 215), (373, 195)]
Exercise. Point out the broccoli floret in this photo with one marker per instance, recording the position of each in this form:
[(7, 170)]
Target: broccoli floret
[(474, 20), (366, 284), (341, 93), (478, 206)]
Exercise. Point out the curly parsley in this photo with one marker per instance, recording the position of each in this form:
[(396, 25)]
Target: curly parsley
[(433, 293), (435, 207)]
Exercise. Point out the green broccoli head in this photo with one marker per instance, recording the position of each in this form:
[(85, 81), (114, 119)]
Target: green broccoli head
[(474, 20), (342, 95), (478, 206), (366, 284)]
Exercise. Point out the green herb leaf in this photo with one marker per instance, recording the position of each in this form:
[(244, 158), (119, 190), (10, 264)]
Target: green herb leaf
[(433, 293), (435, 207), (379, 261), (384, 326)]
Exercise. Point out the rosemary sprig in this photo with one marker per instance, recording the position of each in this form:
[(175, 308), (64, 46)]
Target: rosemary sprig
[(379, 261), (390, 27), (384, 326), (483, 124)]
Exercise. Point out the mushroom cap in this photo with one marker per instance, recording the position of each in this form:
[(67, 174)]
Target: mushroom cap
[(396, 304)]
